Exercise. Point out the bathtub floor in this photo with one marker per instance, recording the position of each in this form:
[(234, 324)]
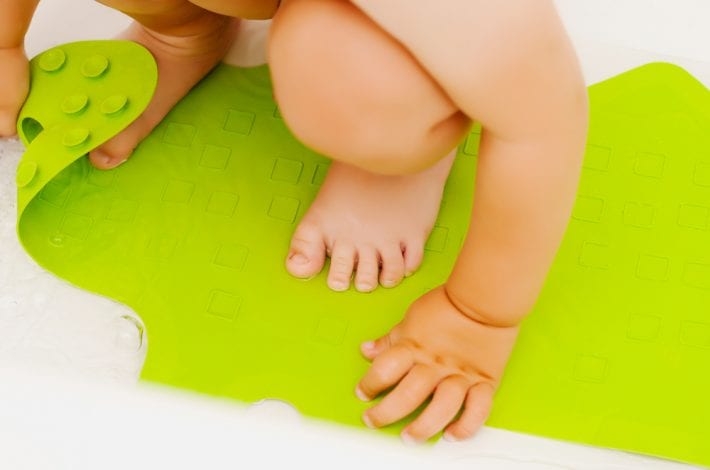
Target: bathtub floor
[(67, 337)]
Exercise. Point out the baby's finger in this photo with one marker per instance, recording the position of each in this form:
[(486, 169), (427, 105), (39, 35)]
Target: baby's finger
[(476, 409), (372, 349), (387, 369), (446, 403), (411, 392)]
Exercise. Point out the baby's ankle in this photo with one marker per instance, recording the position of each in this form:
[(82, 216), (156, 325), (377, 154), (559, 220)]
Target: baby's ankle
[(204, 36)]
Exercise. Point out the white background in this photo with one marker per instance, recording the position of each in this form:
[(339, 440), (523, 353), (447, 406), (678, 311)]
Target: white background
[(69, 360)]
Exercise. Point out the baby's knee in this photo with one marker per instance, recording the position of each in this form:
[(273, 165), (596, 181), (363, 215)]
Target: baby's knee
[(351, 92)]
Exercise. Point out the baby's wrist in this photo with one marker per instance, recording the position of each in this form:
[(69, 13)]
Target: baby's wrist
[(12, 48), (491, 317)]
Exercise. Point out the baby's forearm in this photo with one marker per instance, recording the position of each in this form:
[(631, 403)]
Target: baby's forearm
[(511, 66), (523, 198), (15, 17)]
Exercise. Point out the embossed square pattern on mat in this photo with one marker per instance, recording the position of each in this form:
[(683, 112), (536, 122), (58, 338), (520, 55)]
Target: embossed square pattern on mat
[(193, 230)]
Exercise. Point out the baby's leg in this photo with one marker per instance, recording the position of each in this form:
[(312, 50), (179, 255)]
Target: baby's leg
[(348, 90), (187, 42), (15, 17)]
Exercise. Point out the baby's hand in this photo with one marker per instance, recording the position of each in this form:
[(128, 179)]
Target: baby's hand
[(436, 350), (14, 85)]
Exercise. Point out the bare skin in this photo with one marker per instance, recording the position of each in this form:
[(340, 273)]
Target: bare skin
[(187, 42), (379, 234), (372, 226), (188, 39), (401, 66), (14, 20), (448, 365), (521, 80)]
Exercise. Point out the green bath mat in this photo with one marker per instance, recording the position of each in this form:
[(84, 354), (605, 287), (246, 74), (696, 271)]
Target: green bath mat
[(193, 230)]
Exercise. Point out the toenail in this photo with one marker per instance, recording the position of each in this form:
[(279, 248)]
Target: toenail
[(407, 439), (408, 273), (450, 437), (364, 287), (368, 345), (368, 422), (338, 286), (361, 395), (299, 258), (389, 283), (101, 158)]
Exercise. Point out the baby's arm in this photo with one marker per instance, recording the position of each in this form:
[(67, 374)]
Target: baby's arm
[(511, 66), (15, 16)]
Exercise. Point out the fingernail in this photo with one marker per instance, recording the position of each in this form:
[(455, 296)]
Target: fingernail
[(367, 421), (361, 395), (450, 437), (299, 258), (407, 439)]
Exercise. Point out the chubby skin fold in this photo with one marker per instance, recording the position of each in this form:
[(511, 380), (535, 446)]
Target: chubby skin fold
[(420, 77)]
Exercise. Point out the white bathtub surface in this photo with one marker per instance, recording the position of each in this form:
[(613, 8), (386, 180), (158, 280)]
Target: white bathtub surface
[(69, 360)]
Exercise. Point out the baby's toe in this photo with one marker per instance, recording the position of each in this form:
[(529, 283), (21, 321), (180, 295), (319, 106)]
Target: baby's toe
[(106, 161), (392, 266), (413, 252), (306, 256), (368, 268), (117, 150), (342, 263)]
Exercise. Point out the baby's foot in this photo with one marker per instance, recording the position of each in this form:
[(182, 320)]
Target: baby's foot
[(372, 225), (183, 60), (14, 85)]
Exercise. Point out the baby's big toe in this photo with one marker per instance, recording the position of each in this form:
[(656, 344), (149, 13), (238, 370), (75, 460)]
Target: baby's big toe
[(105, 161), (413, 256), (118, 149), (307, 253)]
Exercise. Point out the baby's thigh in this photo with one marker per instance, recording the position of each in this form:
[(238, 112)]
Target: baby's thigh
[(352, 92)]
